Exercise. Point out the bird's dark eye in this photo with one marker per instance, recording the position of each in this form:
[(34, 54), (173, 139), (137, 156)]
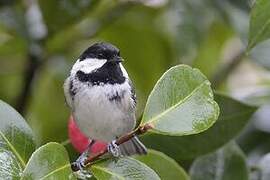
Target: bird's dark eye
[(100, 56)]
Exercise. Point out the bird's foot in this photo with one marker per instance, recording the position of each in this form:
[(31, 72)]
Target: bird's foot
[(114, 149), (80, 161)]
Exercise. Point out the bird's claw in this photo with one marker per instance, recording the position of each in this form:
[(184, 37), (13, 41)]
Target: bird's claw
[(80, 162), (114, 149)]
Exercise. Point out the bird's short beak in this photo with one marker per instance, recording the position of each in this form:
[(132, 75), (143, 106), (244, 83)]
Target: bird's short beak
[(116, 59)]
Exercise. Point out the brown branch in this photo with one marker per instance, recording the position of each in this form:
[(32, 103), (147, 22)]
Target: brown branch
[(121, 140)]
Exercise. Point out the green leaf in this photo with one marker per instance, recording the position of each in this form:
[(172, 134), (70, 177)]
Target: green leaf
[(259, 29), (227, 163), (16, 142), (61, 13), (123, 168), (234, 115), (181, 103), (49, 162), (163, 165)]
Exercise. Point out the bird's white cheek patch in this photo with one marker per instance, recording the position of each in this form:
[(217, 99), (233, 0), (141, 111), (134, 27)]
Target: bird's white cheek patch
[(125, 74), (88, 65)]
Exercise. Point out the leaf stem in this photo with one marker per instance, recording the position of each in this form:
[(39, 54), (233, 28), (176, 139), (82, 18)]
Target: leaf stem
[(139, 131)]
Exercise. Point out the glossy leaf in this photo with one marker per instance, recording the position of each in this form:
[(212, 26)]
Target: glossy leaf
[(234, 115), (49, 162), (181, 103), (59, 14), (16, 142), (123, 168), (228, 163), (163, 165), (259, 23)]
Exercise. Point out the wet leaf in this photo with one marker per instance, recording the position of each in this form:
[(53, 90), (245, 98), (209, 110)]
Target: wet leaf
[(259, 29), (16, 142), (181, 103), (228, 163), (163, 165), (234, 115), (123, 168), (49, 162)]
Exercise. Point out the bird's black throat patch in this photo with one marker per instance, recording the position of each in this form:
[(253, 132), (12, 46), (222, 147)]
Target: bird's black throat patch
[(109, 73)]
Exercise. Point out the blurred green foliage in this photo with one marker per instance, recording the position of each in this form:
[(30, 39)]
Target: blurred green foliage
[(205, 34)]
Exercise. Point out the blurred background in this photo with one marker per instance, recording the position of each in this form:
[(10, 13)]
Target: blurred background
[(41, 39)]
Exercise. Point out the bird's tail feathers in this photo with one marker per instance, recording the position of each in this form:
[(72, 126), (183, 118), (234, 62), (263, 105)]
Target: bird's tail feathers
[(132, 147)]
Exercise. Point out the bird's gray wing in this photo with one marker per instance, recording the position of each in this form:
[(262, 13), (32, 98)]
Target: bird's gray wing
[(68, 97), (133, 93)]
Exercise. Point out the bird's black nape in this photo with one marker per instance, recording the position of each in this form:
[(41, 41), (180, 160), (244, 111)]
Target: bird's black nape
[(100, 50)]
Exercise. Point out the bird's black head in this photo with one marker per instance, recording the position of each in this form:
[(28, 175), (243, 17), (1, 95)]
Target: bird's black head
[(109, 72), (102, 51)]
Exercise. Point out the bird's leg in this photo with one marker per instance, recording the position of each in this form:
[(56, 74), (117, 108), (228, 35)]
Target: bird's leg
[(114, 149), (82, 158)]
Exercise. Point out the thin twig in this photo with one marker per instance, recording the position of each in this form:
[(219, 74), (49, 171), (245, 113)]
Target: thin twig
[(121, 140)]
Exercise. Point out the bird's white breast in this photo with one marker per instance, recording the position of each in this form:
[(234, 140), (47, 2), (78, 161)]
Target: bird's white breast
[(101, 118)]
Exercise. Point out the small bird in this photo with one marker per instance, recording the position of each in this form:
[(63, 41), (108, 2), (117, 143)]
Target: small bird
[(102, 100)]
